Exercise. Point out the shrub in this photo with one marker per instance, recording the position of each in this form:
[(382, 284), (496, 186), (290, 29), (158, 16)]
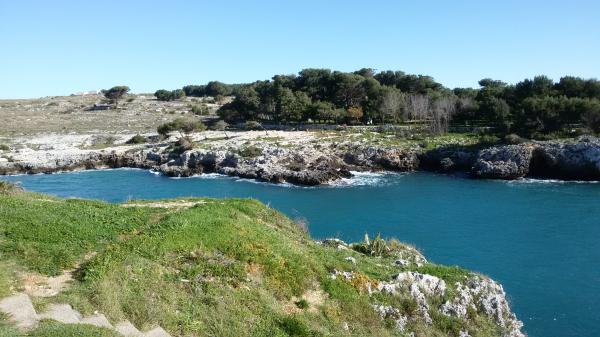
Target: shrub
[(251, 151), (294, 327), (163, 95), (4, 147), (183, 144), (181, 125), (513, 139), (7, 187), (302, 304), (137, 139), (375, 247), (253, 125), (201, 109), (166, 95), (220, 125), (488, 139)]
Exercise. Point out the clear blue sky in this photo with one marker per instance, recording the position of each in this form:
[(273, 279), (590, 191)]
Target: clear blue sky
[(61, 47)]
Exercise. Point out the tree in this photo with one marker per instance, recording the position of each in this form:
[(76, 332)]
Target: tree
[(495, 111), (163, 95), (215, 88), (322, 111), (591, 116), (354, 113), (366, 72), (389, 78), (348, 91), (417, 107), (390, 104), (194, 90), (114, 94), (177, 94), (443, 109), (291, 107), (317, 83)]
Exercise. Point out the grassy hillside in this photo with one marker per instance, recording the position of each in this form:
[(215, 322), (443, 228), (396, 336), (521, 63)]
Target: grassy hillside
[(209, 267)]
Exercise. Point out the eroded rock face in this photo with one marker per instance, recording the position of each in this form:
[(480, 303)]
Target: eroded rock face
[(359, 155), (568, 160), (316, 163), (503, 162), (477, 294), (578, 160)]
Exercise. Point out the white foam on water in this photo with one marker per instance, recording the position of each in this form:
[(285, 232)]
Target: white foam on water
[(365, 179), (550, 181)]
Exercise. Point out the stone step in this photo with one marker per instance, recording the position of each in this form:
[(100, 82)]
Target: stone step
[(157, 332), (127, 329), (20, 310), (98, 320), (62, 313)]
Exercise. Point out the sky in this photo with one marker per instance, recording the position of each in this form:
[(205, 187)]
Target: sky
[(61, 47)]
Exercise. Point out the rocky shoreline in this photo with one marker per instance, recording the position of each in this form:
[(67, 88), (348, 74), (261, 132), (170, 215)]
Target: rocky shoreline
[(319, 162)]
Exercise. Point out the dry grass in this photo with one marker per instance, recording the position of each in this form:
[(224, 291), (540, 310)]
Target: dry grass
[(71, 114)]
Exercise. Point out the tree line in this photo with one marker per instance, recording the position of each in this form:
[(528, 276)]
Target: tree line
[(537, 106)]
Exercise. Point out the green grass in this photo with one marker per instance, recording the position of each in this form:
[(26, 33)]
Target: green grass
[(48, 235), (226, 267), (54, 329)]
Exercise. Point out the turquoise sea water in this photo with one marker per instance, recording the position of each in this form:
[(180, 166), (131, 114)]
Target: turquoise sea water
[(540, 239)]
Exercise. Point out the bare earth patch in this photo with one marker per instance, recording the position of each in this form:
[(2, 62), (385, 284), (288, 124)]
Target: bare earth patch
[(37, 285)]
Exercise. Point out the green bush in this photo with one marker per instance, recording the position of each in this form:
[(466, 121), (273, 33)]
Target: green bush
[(513, 139), (137, 139), (250, 151), (7, 187), (4, 147), (166, 95), (181, 125), (253, 125), (488, 139), (183, 144), (201, 109), (294, 327), (221, 125), (302, 304)]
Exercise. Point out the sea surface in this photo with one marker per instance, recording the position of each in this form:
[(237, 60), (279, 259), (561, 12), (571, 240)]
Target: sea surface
[(540, 239)]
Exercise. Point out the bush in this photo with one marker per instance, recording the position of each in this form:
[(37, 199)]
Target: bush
[(251, 151), (294, 327), (201, 109), (181, 125), (513, 139), (253, 125), (183, 144), (4, 147), (7, 187), (220, 125), (488, 139), (137, 139), (302, 304), (375, 247), (166, 95)]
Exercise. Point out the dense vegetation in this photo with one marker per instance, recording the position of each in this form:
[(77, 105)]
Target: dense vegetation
[(533, 107), (227, 267)]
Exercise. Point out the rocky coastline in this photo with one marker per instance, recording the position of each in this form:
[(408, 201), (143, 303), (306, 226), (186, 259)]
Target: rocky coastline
[(321, 162)]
